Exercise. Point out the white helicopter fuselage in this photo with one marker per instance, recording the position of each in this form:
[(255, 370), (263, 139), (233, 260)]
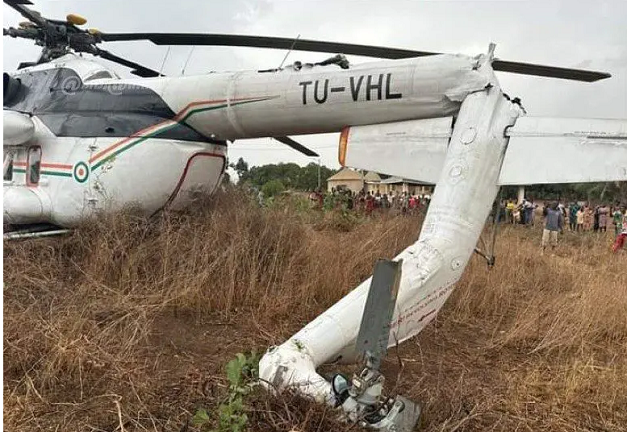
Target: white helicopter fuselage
[(99, 142)]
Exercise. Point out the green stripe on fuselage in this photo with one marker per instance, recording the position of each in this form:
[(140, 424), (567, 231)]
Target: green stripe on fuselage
[(56, 173), (44, 172), (132, 144), (180, 123)]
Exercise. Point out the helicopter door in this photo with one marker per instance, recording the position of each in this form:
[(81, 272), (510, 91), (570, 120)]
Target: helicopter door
[(33, 166)]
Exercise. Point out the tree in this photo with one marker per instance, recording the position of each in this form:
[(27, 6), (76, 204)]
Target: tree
[(309, 176), (241, 168), (291, 175), (272, 188)]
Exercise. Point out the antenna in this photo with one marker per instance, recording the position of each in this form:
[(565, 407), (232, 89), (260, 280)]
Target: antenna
[(289, 51), (187, 61), (164, 59)]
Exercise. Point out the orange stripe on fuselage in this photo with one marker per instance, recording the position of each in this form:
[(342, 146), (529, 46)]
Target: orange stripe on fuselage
[(52, 165), (208, 102), (137, 134), (45, 165), (177, 117)]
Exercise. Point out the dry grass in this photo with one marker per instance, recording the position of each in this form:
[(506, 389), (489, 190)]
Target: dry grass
[(127, 324)]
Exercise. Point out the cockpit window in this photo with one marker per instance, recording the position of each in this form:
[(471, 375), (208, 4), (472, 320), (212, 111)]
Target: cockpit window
[(99, 75)]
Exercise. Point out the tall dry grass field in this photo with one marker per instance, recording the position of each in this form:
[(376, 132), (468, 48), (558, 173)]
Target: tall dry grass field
[(127, 324)]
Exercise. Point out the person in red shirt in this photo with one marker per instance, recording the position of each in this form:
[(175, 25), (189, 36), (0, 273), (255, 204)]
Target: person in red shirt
[(369, 204), (621, 239)]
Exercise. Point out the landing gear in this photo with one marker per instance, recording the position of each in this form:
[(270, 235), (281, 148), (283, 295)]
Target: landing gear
[(362, 402), (487, 251), (362, 398)]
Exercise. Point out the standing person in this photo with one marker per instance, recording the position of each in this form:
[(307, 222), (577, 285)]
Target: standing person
[(377, 200), (521, 209), (412, 204), (404, 203), (617, 218), (587, 218), (369, 204), (580, 214), (529, 207), (516, 215), (509, 211), (603, 213), (554, 223), (350, 199), (621, 239), (385, 201), (572, 215)]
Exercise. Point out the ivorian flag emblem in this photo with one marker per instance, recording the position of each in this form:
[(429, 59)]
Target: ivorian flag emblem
[(81, 172)]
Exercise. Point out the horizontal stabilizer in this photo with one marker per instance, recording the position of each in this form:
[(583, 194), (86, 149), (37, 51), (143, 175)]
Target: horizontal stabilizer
[(413, 150), (545, 150)]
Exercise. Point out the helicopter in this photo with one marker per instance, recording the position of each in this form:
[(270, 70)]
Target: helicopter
[(79, 140)]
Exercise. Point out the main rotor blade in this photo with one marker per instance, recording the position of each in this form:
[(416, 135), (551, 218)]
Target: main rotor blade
[(296, 146), (25, 12), (137, 69), (548, 71), (337, 47), (265, 42)]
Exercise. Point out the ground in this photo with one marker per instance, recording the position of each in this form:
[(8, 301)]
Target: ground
[(127, 324)]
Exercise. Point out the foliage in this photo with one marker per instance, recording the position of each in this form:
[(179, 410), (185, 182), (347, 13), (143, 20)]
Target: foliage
[(272, 188), (291, 175), (242, 372), (240, 167)]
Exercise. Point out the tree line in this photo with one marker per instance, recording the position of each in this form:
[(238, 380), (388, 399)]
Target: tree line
[(273, 179)]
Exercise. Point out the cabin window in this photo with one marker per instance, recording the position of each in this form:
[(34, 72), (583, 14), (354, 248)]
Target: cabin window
[(8, 167), (33, 166)]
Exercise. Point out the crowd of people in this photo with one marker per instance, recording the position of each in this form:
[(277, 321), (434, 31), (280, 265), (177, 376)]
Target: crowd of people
[(556, 217), (369, 202), (575, 217)]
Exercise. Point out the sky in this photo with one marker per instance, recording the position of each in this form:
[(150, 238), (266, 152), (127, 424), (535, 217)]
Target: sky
[(581, 34)]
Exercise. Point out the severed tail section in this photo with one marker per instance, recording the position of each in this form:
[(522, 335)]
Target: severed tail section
[(430, 267)]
